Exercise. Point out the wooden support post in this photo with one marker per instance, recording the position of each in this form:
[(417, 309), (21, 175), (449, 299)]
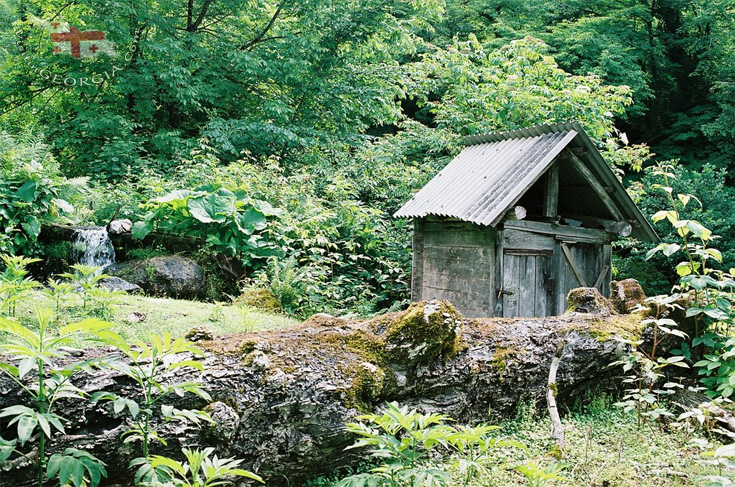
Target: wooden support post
[(601, 278), (551, 192), (417, 270)]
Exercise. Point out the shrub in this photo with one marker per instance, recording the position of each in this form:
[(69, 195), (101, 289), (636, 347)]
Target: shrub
[(33, 191)]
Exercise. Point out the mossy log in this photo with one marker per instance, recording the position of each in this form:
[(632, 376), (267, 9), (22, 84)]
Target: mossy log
[(282, 397)]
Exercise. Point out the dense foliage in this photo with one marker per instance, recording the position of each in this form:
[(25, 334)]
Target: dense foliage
[(283, 135)]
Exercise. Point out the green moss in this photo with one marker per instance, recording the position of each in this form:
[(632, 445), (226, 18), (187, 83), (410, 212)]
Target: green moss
[(367, 382), (371, 345), (247, 347), (556, 452), (500, 359), (603, 330), (259, 298), (416, 337)]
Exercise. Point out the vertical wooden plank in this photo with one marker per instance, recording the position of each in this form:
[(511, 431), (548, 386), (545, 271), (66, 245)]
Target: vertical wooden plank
[(551, 191), (527, 287), (499, 272), (541, 305), (511, 274), (559, 269), (417, 267), (607, 260), (575, 258), (490, 272)]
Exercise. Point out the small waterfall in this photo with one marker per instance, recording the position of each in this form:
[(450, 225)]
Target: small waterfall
[(92, 246)]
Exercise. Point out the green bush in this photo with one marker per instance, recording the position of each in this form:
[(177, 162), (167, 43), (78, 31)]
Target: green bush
[(33, 191)]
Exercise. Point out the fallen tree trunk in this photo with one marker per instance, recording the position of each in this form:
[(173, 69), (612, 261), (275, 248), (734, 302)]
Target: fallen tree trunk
[(282, 397)]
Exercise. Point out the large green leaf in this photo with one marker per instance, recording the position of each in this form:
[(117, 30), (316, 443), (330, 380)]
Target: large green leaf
[(212, 208), (32, 227), (27, 192)]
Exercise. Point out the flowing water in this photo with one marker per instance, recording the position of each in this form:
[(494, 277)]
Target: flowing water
[(93, 247)]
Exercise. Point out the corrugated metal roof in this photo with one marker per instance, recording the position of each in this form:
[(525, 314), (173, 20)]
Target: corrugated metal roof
[(495, 170)]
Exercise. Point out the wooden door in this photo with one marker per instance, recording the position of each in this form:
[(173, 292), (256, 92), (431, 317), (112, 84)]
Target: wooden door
[(580, 264), (527, 283)]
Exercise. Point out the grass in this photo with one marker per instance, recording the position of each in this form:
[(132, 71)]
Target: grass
[(604, 448), (161, 314)]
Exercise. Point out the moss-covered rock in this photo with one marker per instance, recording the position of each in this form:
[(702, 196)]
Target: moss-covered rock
[(626, 294), (367, 385), (423, 333), (589, 300), (259, 298), (199, 334)]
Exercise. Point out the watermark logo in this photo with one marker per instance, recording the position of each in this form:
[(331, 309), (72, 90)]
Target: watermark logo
[(81, 44), (72, 41)]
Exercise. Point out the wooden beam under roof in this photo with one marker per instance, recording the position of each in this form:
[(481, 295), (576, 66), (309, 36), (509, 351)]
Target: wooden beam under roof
[(585, 172)]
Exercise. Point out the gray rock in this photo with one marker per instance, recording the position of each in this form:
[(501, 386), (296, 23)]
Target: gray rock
[(589, 300), (118, 227), (169, 275), (136, 317), (626, 295), (118, 284)]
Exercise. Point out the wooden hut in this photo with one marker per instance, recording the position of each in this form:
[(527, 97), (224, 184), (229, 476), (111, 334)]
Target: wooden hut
[(517, 220)]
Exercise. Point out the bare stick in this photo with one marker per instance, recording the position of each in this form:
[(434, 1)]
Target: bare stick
[(557, 430)]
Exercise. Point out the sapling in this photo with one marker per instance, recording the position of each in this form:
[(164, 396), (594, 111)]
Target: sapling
[(146, 364), (404, 438), (86, 278), (200, 469), (14, 282), (35, 368)]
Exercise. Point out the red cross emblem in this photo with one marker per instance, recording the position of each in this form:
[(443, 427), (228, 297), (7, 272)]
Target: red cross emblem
[(74, 36)]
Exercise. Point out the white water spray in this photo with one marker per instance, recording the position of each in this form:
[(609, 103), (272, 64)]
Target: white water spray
[(93, 247)]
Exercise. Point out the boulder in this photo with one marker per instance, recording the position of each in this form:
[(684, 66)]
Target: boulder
[(119, 227), (626, 294), (114, 283), (171, 276), (589, 300)]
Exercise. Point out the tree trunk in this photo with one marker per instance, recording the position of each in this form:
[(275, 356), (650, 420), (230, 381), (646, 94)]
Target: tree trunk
[(282, 397)]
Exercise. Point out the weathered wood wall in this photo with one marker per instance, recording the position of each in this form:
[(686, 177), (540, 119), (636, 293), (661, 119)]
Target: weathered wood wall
[(524, 270), (454, 261)]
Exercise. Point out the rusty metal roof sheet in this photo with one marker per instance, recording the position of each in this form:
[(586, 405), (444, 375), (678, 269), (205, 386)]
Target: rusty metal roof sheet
[(492, 173)]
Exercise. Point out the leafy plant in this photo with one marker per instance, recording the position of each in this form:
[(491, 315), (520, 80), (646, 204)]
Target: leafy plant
[(199, 470), (473, 449), (538, 475), (723, 457), (86, 278), (147, 364), (404, 440), (35, 370), (71, 466), (712, 292), (58, 292), (33, 191), (642, 394), (14, 281), (230, 222)]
